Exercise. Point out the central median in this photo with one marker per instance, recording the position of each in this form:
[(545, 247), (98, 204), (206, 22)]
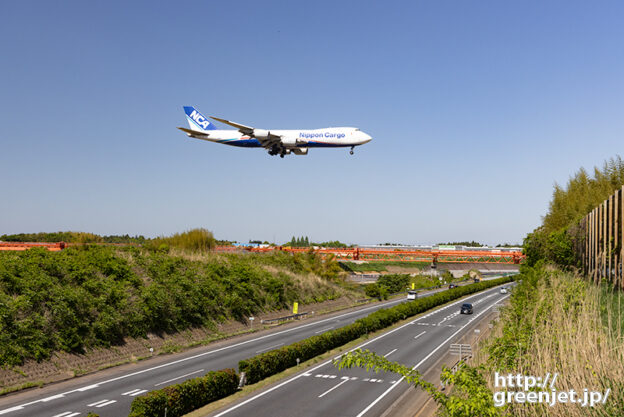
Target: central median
[(197, 392)]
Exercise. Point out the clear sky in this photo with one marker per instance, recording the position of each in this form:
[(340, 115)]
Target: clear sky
[(476, 109)]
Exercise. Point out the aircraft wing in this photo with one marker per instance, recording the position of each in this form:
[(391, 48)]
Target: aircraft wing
[(266, 138), (245, 130)]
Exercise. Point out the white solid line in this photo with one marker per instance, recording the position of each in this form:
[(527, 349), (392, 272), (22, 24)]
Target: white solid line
[(323, 330), (72, 415), (96, 403), (333, 388), (416, 337), (288, 381), (130, 392), (390, 353), (105, 404), (63, 414), (54, 397), (426, 357), (178, 377), (8, 410), (143, 391), (269, 348)]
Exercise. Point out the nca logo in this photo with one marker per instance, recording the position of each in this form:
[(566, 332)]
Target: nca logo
[(200, 120)]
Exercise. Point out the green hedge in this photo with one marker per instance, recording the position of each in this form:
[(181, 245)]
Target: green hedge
[(183, 398), (270, 363)]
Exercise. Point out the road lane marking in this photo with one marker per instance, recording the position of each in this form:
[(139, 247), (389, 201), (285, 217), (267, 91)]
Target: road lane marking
[(344, 379), (54, 397), (178, 377), (9, 410), (135, 392), (87, 388), (67, 414), (130, 392), (95, 404), (106, 403), (390, 353), (324, 330), (269, 348), (296, 377), (371, 405), (417, 336)]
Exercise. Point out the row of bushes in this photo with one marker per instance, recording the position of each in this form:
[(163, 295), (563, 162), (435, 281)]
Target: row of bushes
[(275, 361), (180, 399)]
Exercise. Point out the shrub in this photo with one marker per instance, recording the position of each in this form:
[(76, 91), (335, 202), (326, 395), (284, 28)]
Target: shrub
[(187, 396)]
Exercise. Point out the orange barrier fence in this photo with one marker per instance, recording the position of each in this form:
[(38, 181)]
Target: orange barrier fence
[(358, 254), (24, 246)]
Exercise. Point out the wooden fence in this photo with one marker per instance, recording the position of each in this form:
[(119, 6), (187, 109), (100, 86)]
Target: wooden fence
[(601, 251)]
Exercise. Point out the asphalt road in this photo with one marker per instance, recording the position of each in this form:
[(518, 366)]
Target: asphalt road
[(111, 392), (326, 391)]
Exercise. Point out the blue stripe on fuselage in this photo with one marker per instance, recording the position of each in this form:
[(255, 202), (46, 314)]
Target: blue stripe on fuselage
[(253, 143)]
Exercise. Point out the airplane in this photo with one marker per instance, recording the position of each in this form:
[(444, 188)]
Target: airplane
[(277, 142)]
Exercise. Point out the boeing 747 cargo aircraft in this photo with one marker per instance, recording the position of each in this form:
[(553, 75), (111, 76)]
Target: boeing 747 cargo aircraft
[(277, 142)]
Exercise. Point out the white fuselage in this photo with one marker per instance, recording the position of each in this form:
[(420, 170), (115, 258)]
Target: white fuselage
[(331, 137)]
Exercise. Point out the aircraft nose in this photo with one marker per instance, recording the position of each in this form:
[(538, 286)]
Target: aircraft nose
[(367, 138)]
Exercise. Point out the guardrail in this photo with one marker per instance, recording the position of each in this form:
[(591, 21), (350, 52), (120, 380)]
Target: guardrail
[(285, 318)]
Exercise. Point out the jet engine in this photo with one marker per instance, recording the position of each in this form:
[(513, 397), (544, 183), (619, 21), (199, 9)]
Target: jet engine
[(261, 133), (300, 151)]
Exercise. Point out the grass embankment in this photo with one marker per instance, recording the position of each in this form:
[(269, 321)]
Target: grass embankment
[(96, 296), (558, 322), (381, 266)]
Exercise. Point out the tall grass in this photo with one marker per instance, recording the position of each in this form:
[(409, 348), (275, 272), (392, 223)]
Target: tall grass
[(557, 322), (194, 240)]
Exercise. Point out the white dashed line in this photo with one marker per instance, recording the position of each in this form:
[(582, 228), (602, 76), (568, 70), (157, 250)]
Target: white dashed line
[(178, 377), (269, 348), (106, 403), (344, 379), (390, 353), (324, 330), (417, 336)]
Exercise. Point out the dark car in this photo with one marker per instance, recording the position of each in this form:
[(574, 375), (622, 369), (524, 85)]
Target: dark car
[(466, 308), (452, 286)]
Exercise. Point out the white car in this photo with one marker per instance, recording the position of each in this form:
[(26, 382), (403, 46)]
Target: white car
[(503, 290)]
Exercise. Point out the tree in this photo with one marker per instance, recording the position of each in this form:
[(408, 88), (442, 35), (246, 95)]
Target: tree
[(469, 397)]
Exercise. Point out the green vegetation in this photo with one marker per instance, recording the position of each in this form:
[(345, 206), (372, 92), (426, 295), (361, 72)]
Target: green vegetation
[(194, 240), (300, 242), (380, 266), (559, 322), (555, 239), (180, 399), (72, 237), (470, 395), (95, 296), (472, 243), (275, 361)]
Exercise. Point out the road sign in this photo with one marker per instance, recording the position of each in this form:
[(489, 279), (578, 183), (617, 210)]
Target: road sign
[(461, 350)]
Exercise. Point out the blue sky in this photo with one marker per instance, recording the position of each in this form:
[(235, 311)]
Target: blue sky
[(476, 109)]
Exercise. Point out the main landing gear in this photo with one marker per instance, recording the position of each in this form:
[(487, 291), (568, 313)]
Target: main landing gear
[(351, 151)]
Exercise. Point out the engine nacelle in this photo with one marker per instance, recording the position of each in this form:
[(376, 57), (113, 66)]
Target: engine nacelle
[(300, 151), (261, 133)]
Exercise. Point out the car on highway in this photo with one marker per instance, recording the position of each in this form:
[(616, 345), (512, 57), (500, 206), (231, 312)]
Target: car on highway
[(452, 286), (466, 308), (503, 290), (411, 294)]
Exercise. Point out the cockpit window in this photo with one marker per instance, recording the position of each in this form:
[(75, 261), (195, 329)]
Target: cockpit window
[(357, 130)]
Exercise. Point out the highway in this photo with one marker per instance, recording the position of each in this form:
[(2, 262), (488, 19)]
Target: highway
[(110, 393), (325, 391)]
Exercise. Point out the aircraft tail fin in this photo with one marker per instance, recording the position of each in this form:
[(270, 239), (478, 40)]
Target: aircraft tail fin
[(197, 121)]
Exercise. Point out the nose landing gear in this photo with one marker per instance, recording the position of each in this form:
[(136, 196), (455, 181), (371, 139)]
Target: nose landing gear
[(351, 151)]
